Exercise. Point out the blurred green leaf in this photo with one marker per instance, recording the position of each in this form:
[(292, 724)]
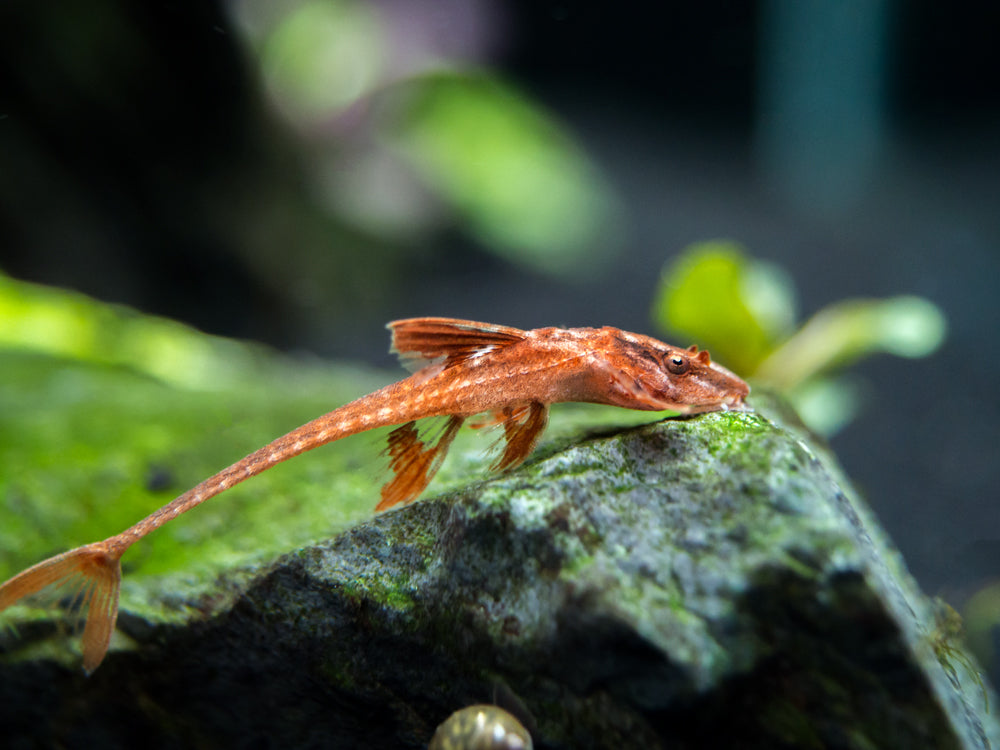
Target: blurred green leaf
[(744, 311), (321, 57), (735, 306), (981, 614), (840, 334), (828, 404), (73, 326), (516, 177)]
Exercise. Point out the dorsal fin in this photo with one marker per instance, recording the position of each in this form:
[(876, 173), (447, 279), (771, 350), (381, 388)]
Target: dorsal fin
[(423, 341)]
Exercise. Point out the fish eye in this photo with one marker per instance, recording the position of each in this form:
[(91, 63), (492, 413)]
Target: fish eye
[(677, 364)]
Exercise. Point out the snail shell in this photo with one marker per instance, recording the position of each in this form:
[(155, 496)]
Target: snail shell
[(481, 727)]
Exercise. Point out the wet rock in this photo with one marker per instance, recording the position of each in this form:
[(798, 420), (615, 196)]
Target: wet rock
[(703, 582)]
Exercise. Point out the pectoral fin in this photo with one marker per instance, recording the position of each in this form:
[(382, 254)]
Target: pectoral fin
[(522, 426)]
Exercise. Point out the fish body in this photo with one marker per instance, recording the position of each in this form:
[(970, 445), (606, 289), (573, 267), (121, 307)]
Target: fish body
[(461, 369)]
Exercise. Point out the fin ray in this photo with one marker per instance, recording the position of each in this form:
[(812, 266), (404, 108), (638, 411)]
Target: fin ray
[(420, 342), (414, 461), (90, 576), (523, 425)]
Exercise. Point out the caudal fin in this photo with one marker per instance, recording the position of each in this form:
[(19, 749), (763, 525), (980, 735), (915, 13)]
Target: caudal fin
[(91, 577)]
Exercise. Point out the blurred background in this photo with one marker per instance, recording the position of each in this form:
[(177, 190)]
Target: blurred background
[(300, 172)]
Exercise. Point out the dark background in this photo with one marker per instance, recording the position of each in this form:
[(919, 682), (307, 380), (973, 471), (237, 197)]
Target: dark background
[(137, 151)]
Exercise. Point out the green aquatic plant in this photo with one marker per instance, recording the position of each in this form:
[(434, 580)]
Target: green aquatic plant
[(406, 141), (981, 616), (508, 169), (744, 311)]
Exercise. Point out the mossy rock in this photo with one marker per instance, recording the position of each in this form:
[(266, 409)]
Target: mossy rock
[(702, 582)]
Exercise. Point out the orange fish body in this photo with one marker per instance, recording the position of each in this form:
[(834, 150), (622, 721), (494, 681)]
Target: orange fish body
[(462, 368)]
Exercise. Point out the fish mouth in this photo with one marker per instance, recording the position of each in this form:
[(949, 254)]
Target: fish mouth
[(707, 408), (737, 404), (734, 402), (737, 401)]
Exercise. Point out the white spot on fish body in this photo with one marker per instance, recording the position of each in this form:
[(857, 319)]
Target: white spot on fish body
[(476, 357)]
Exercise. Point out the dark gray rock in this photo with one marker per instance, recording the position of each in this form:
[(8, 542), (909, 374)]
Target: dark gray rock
[(708, 582)]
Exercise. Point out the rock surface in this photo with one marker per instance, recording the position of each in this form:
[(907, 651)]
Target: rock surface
[(704, 582)]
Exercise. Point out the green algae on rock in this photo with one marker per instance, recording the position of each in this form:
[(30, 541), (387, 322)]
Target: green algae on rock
[(711, 581)]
